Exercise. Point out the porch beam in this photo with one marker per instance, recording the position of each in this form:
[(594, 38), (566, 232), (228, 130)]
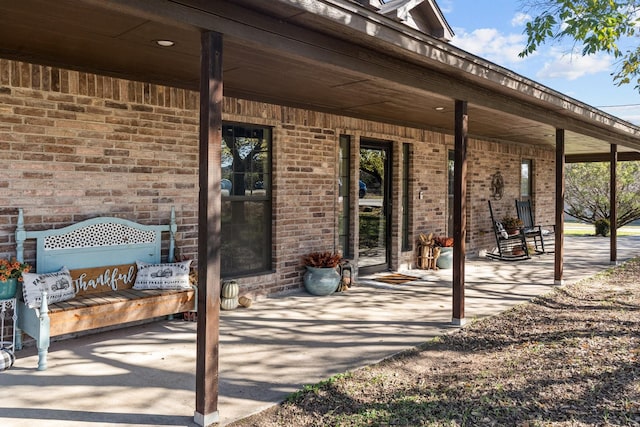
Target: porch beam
[(625, 156), (399, 69), (560, 188), (459, 209), (208, 335), (613, 217)]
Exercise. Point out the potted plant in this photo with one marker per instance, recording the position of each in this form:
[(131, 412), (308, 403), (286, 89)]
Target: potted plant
[(512, 225), (10, 274), (445, 260), (321, 277)]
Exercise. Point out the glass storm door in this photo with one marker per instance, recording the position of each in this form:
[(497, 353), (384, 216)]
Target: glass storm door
[(374, 207)]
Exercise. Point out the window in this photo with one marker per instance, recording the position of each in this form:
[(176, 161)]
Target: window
[(406, 243), (451, 156), (526, 180), (344, 195), (246, 200)]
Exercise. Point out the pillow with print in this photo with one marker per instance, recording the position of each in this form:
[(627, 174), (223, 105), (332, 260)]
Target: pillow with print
[(501, 231), (163, 276), (58, 286)]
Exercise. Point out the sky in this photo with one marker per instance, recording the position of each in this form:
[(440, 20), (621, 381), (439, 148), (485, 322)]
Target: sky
[(493, 30)]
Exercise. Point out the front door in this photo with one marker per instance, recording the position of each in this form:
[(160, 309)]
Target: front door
[(374, 207)]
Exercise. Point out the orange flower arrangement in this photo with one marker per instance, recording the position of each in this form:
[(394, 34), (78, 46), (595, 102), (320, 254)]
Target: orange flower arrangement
[(322, 259), (445, 242), (12, 269)]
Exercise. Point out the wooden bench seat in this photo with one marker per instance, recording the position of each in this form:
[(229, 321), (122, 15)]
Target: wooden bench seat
[(101, 254), (116, 307)]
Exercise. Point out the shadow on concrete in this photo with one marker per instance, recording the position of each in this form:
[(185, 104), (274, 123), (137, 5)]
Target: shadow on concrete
[(145, 375)]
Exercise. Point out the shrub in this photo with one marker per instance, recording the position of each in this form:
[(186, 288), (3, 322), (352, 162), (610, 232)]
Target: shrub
[(602, 227)]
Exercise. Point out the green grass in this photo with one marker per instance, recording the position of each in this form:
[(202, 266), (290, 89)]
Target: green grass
[(581, 229)]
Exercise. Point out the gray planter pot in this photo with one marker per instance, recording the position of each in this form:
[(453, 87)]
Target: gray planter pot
[(321, 281), (445, 260)]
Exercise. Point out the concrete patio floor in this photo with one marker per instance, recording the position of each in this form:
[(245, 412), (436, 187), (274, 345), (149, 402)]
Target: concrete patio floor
[(145, 375)]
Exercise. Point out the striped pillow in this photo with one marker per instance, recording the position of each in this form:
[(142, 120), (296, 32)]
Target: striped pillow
[(6, 359)]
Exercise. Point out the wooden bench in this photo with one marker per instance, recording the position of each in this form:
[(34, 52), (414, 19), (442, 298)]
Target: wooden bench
[(101, 254)]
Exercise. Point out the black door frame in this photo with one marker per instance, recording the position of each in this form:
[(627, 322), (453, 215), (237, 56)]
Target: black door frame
[(387, 147)]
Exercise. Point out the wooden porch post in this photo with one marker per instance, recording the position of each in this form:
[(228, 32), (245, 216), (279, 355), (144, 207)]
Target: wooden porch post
[(559, 249), (459, 210), (613, 221), (206, 412)]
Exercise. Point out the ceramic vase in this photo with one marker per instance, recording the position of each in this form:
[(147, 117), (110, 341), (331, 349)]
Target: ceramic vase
[(445, 260), (321, 281)]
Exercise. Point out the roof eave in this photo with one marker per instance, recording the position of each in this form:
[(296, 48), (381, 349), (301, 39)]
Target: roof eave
[(406, 42)]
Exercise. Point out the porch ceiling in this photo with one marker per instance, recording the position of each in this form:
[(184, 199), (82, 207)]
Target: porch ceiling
[(287, 59)]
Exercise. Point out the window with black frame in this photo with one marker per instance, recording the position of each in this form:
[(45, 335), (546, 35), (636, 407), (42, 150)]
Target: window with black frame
[(406, 192), (451, 156), (344, 196), (526, 179), (246, 200)]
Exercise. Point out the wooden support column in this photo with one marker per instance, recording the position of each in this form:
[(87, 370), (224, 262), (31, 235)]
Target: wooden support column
[(559, 249), (613, 222), (459, 210), (208, 335)]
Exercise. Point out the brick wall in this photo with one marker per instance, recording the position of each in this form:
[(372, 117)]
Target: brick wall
[(429, 177), (487, 158), (78, 145)]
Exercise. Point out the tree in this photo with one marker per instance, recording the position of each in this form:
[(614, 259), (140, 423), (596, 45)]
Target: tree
[(596, 25), (372, 163), (587, 192)]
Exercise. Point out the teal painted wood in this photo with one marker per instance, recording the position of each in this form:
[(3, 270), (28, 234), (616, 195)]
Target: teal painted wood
[(35, 323), (52, 259), (53, 256)]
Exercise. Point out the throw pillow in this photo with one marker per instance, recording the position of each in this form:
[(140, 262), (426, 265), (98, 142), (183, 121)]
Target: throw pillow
[(503, 233), (6, 358), (58, 285), (163, 276)]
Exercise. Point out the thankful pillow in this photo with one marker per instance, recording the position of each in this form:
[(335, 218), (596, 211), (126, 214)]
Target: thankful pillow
[(163, 276), (58, 286)]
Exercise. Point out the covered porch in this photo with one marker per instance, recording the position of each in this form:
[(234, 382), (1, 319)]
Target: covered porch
[(144, 375), (336, 58)]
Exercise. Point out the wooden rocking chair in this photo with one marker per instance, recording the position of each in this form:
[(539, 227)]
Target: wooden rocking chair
[(510, 247), (539, 233)]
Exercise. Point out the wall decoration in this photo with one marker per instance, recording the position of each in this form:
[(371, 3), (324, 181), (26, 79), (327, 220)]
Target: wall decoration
[(497, 186)]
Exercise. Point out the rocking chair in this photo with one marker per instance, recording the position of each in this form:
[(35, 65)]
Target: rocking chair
[(510, 247), (539, 233)]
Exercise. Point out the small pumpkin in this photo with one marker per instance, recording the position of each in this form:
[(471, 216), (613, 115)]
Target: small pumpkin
[(230, 289), (245, 301), (228, 303)]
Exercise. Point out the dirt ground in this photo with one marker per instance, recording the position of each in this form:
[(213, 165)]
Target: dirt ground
[(569, 358)]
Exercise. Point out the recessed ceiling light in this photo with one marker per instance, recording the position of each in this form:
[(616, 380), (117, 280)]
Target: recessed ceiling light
[(165, 43), (439, 108)]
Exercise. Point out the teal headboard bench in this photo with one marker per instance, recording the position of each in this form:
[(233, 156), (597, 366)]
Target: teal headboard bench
[(104, 256)]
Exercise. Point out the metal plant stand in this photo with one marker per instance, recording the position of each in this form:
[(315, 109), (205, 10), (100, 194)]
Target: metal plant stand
[(5, 306)]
